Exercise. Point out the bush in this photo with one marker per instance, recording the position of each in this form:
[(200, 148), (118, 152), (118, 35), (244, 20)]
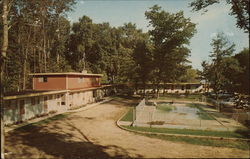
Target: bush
[(52, 111), (156, 122)]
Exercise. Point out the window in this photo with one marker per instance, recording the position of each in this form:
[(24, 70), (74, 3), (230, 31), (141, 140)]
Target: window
[(80, 80), (22, 109), (50, 97), (94, 93), (33, 101), (15, 103), (38, 100), (182, 87), (45, 98), (42, 79), (172, 87), (7, 103)]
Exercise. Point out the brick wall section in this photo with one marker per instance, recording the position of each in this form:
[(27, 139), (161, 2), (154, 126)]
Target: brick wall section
[(53, 83), (87, 82), (65, 82)]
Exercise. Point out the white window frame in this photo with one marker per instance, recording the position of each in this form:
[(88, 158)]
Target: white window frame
[(80, 79)]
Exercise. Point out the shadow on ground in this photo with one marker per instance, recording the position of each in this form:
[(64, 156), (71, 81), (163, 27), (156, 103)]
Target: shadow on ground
[(39, 141)]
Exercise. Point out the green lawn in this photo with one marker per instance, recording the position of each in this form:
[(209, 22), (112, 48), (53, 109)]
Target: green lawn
[(230, 134), (180, 98), (197, 141), (204, 142), (128, 116)]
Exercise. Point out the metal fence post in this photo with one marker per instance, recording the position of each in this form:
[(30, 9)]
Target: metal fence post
[(134, 115)]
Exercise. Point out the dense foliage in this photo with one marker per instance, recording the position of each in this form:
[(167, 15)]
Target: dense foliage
[(226, 72), (41, 39)]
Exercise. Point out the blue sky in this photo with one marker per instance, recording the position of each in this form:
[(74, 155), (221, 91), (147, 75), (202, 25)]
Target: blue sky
[(118, 12)]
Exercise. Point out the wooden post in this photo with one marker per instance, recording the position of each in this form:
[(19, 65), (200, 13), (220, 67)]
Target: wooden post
[(134, 115)]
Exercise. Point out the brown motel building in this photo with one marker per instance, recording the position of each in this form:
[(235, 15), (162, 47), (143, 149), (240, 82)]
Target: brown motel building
[(53, 93), (65, 81)]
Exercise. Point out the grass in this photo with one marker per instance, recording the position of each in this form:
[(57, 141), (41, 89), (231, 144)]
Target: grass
[(229, 134), (165, 107), (243, 145), (180, 98), (128, 116), (202, 113)]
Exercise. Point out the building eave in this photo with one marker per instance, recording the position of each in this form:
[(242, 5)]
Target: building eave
[(33, 94), (65, 73)]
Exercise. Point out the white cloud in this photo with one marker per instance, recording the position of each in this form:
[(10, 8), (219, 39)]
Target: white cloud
[(211, 14), (82, 2), (212, 35), (229, 33)]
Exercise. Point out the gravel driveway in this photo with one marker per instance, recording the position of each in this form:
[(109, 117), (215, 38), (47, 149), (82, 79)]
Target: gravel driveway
[(93, 133)]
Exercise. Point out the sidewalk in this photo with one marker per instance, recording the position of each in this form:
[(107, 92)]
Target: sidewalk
[(88, 106)]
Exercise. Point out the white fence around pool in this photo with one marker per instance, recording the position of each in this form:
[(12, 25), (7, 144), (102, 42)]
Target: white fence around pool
[(192, 115)]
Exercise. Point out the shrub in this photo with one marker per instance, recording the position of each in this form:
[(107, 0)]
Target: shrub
[(52, 111), (156, 122)]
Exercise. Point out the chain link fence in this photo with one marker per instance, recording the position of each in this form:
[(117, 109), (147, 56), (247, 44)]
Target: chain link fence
[(198, 114)]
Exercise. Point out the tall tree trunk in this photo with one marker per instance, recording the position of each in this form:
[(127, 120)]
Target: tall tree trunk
[(57, 59), (58, 37), (44, 42), (34, 58), (45, 54), (24, 69), (25, 54), (39, 61), (5, 42)]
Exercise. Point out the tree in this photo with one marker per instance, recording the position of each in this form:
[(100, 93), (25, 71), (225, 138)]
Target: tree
[(38, 35), (189, 76), (221, 49), (170, 35), (82, 42), (130, 37), (243, 77), (205, 74), (143, 62), (226, 72), (223, 69), (6, 6), (239, 8), (231, 71)]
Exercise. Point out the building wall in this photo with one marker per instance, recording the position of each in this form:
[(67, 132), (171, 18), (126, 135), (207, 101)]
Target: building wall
[(63, 82), (44, 104), (81, 98), (53, 83), (11, 112), (33, 107), (75, 82)]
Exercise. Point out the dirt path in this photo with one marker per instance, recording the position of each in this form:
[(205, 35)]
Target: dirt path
[(93, 133)]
